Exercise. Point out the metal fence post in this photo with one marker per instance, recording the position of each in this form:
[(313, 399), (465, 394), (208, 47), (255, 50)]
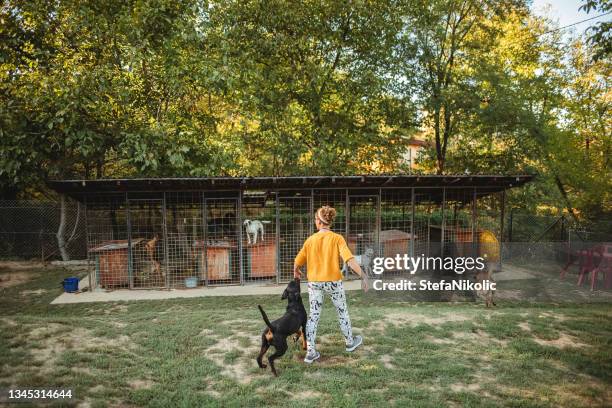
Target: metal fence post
[(165, 234), (278, 243), (129, 240), (474, 221), (442, 233), (510, 225), (412, 199), (501, 226), (240, 254)]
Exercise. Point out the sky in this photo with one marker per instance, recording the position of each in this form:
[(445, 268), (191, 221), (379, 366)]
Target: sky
[(566, 12)]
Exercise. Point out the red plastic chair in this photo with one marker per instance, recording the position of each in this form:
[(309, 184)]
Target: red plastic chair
[(605, 266), (586, 263)]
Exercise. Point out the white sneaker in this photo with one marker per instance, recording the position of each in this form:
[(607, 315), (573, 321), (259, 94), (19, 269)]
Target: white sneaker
[(310, 357), (357, 341)]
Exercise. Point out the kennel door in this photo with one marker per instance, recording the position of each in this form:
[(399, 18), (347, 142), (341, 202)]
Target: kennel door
[(363, 226), (147, 251), (219, 253), (294, 218)]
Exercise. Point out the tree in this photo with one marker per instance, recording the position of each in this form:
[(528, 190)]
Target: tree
[(314, 84), (450, 36), (601, 33)]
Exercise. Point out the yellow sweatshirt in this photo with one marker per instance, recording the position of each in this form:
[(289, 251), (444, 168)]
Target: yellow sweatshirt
[(321, 253)]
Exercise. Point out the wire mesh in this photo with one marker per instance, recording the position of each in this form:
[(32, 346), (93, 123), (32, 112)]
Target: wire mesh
[(396, 235), (28, 230), (219, 253), (459, 238), (295, 225), (185, 233), (363, 226), (427, 222), (259, 240), (231, 237), (107, 240), (488, 226), (148, 250)]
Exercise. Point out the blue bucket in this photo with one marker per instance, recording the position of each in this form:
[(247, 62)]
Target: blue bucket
[(191, 282), (71, 285)]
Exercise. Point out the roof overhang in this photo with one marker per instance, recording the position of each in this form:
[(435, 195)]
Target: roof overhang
[(490, 183)]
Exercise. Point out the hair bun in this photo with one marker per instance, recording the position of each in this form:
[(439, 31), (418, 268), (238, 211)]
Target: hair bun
[(327, 214)]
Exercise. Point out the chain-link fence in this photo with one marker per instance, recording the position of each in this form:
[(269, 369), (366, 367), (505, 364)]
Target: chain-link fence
[(28, 230), (540, 228)]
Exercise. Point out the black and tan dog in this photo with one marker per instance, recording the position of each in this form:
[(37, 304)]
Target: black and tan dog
[(292, 322)]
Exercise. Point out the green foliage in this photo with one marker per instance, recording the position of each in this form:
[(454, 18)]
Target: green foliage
[(93, 89), (601, 33)]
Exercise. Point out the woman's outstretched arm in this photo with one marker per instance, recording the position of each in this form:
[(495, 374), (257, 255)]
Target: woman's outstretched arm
[(357, 269)]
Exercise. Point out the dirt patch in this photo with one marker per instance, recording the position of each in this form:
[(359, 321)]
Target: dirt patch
[(387, 361), (509, 294), (8, 322), (84, 404), (564, 341), (36, 292), (21, 265), (11, 279), (435, 340), (97, 389), (458, 387), (237, 370), (524, 326), (213, 393), (237, 322), (479, 336), (414, 319), (116, 309), (334, 360), (56, 338), (377, 325), (303, 395), (141, 384), (207, 332), (551, 315)]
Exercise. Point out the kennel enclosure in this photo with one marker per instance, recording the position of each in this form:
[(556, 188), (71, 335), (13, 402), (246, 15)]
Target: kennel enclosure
[(161, 232)]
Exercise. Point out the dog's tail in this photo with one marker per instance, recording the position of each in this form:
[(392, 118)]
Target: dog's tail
[(265, 317)]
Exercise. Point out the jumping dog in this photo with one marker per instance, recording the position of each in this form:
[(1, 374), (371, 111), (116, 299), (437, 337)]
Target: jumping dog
[(293, 322)]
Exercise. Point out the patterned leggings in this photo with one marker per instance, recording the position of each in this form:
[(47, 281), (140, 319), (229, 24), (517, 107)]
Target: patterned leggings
[(335, 290)]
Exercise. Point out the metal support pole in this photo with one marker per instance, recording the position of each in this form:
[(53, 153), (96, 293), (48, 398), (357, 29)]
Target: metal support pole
[(205, 235), (474, 218), (443, 232), (501, 226), (412, 238), (278, 252), (510, 223), (347, 206), (311, 223), (129, 240), (239, 220), (165, 238), (87, 246), (378, 222)]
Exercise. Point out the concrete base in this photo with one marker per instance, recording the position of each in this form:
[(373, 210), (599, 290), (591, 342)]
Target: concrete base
[(126, 294)]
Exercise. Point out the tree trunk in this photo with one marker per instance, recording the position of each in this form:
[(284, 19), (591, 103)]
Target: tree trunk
[(61, 230)]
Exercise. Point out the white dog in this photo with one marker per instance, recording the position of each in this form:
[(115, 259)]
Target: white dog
[(254, 228), (364, 260)]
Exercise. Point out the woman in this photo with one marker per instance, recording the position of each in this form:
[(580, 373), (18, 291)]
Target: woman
[(321, 253)]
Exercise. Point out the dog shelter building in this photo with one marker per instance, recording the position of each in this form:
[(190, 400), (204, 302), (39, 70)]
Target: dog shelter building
[(184, 232)]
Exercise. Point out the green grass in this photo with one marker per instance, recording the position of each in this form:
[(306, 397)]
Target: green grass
[(198, 352)]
